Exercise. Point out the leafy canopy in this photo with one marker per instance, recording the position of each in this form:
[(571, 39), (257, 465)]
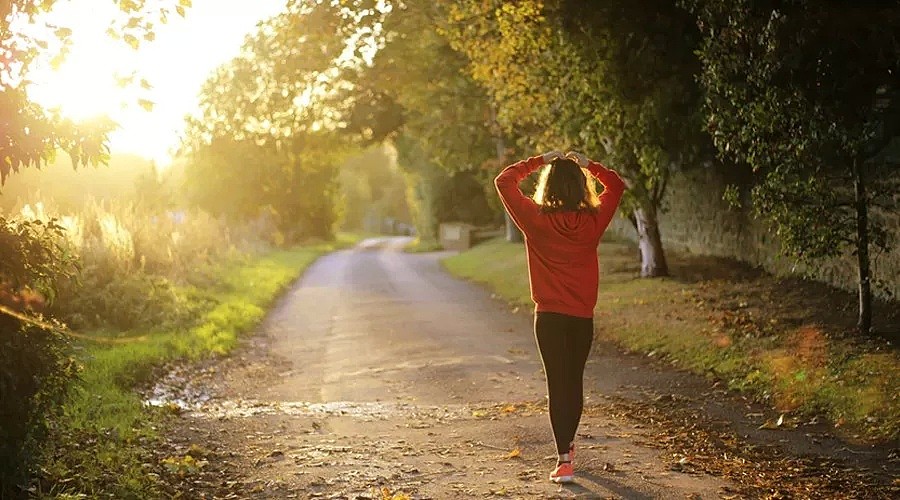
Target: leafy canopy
[(807, 95)]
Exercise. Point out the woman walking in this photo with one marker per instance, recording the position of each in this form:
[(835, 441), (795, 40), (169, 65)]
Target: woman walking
[(562, 225)]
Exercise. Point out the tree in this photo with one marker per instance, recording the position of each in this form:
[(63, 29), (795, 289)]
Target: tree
[(807, 94), (614, 78), (267, 132), (417, 94), (231, 178), (373, 190)]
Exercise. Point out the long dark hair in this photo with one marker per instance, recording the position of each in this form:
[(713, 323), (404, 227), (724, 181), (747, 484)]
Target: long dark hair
[(564, 187)]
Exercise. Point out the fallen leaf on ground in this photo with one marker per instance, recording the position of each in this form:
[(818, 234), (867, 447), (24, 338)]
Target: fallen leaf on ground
[(183, 465), (197, 451), (387, 495), (773, 424)]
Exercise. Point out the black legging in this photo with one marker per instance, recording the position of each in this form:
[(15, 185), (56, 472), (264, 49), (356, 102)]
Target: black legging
[(564, 342)]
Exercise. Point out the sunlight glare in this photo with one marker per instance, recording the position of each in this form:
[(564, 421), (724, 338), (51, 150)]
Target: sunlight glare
[(176, 64), (85, 85)]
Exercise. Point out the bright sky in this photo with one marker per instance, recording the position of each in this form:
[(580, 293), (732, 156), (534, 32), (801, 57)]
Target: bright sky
[(176, 63)]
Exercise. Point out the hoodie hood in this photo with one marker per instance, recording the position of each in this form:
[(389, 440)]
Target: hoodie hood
[(572, 226)]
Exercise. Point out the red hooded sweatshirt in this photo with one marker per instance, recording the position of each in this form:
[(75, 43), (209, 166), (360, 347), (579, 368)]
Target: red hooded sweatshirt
[(561, 246)]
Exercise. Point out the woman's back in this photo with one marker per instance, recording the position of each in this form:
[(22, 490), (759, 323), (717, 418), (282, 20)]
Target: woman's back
[(561, 234)]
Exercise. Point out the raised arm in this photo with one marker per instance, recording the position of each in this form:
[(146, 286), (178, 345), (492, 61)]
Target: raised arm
[(521, 208), (613, 187)]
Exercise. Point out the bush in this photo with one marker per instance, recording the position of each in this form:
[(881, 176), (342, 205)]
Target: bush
[(36, 366), (35, 362), (122, 303)]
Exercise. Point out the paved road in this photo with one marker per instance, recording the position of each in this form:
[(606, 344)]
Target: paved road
[(377, 324), (379, 372)]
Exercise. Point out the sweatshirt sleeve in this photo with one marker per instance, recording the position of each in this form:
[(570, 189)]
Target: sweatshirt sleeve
[(522, 209), (613, 188)]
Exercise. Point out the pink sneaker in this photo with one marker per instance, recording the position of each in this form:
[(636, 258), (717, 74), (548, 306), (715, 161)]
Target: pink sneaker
[(563, 473)]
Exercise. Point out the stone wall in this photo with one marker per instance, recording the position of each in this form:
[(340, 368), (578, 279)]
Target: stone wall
[(697, 220)]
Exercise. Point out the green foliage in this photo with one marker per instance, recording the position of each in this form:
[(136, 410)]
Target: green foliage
[(417, 94), (444, 109), (34, 255), (807, 95), (422, 180), (123, 303), (213, 182), (35, 362), (123, 261), (134, 264), (505, 45), (108, 266), (36, 367), (436, 195), (244, 181), (266, 140), (460, 197), (615, 78), (373, 190), (633, 66)]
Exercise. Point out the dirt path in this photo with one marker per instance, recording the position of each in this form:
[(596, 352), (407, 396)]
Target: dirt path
[(379, 374)]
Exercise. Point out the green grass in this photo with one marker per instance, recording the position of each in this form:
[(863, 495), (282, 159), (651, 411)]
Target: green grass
[(758, 334), (106, 429), (506, 273), (422, 246)]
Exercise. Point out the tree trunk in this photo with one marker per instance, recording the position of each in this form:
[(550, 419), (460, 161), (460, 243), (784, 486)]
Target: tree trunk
[(513, 235), (422, 201), (653, 258), (862, 250)]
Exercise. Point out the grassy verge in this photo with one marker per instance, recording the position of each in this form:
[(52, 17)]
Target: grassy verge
[(100, 447), (421, 246), (787, 341)]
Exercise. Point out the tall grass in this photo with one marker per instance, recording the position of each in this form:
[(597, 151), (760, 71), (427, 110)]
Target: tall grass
[(138, 266)]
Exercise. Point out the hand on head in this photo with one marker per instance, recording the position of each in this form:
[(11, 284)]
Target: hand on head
[(578, 158), (575, 156), (552, 155)]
